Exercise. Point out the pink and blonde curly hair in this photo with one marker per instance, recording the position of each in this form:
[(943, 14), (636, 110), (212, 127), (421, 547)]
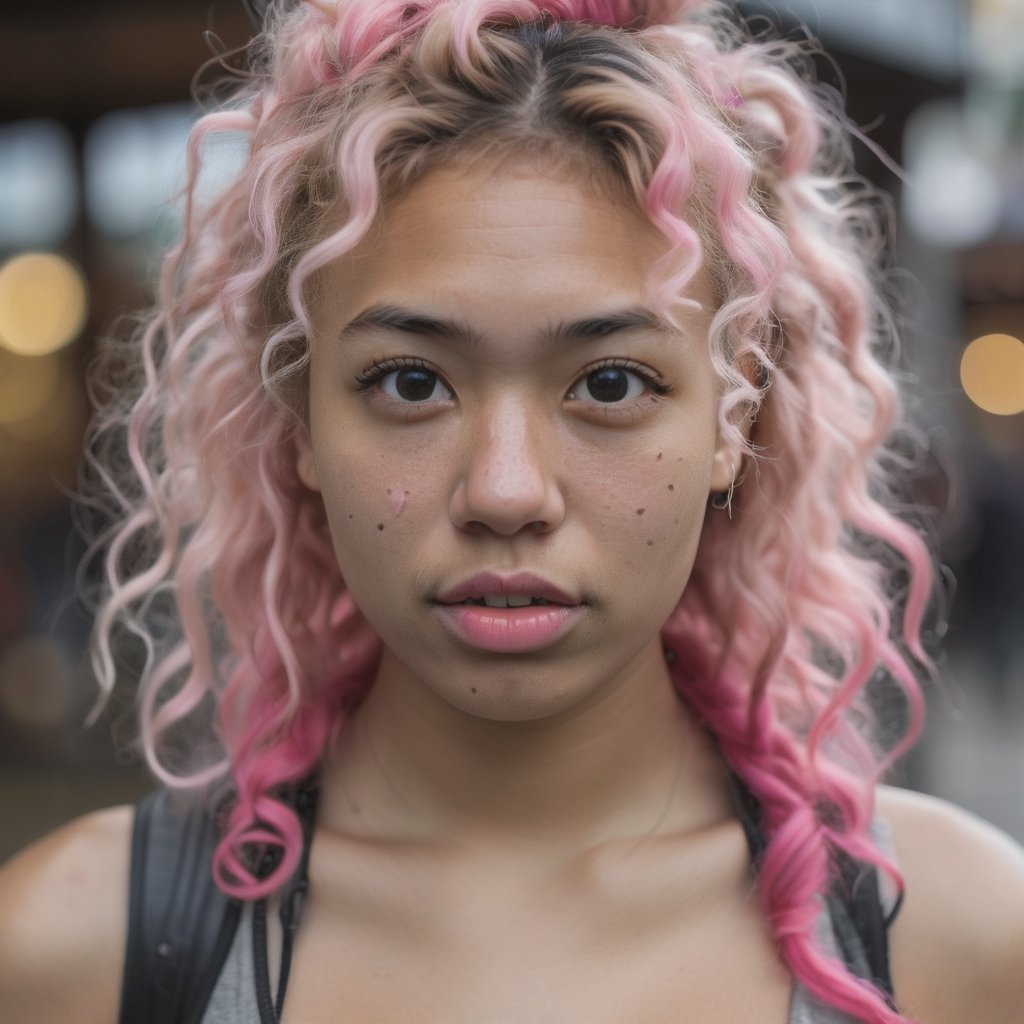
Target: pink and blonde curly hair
[(220, 561)]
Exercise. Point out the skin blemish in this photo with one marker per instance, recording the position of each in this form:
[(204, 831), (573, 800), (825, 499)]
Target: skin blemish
[(650, 543), (472, 689), (671, 487), (658, 459), (640, 511), (380, 526), (397, 499)]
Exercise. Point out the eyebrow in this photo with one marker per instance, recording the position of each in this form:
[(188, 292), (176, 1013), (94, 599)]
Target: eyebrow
[(408, 321)]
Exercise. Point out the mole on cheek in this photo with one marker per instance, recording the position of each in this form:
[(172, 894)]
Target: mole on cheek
[(640, 511), (650, 543), (472, 689), (658, 459), (671, 487), (380, 526)]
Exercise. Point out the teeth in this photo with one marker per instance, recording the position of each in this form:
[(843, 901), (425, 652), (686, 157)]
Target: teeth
[(512, 601)]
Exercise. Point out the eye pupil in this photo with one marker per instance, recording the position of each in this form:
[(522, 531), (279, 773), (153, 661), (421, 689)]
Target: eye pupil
[(414, 384), (609, 384)]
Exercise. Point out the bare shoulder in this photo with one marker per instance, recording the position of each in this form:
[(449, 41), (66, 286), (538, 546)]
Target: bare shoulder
[(958, 942), (63, 917)]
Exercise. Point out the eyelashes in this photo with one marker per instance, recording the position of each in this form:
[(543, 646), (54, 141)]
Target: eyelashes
[(608, 384), (413, 381)]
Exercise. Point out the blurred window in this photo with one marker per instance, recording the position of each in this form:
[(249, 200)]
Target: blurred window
[(135, 169), (38, 185), (924, 35)]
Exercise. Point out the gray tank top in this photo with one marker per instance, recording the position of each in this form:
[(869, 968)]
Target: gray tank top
[(234, 997)]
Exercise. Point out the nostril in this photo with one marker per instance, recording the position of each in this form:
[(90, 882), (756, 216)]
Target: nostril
[(476, 526)]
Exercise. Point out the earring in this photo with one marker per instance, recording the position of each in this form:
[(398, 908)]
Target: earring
[(723, 499)]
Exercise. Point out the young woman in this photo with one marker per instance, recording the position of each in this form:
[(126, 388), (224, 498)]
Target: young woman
[(502, 481)]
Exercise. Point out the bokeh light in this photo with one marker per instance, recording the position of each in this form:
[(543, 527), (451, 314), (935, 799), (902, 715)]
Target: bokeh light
[(135, 169), (43, 302), (952, 196), (38, 184), (992, 374)]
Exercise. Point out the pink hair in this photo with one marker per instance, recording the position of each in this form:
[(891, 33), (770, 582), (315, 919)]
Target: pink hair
[(220, 560)]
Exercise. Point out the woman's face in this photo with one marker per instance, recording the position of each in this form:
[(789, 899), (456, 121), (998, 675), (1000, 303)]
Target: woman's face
[(496, 416)]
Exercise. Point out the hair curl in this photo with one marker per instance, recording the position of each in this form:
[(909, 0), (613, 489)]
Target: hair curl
[(220, 561)]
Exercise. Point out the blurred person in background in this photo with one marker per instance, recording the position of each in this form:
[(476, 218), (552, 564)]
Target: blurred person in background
[(501, 486)]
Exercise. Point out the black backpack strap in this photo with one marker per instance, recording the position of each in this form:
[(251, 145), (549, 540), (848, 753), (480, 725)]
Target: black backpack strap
[(180, 925), (748, 810), (293, 897), (859, 921)]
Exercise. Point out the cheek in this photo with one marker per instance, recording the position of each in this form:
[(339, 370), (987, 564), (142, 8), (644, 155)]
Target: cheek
[(378, 511), (363, 503), (651, 517)]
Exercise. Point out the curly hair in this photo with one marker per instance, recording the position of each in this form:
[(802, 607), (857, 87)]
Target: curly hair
[(219, 559)]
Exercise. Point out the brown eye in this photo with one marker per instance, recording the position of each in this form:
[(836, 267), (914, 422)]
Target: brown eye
[(609, 385), (414, 384)]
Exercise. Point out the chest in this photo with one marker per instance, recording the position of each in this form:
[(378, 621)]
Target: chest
[(458, 948)]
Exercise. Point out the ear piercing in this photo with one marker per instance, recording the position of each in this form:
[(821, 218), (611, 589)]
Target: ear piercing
[(723, 499)]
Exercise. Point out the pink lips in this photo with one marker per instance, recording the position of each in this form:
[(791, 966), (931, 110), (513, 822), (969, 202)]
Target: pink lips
[(508, 630)]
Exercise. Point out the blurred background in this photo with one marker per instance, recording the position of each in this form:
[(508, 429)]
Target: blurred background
[(94, 110)]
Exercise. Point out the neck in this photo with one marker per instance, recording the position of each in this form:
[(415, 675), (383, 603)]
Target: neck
[(631, 764)]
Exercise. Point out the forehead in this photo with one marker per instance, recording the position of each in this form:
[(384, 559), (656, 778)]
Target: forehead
[(515, 237)]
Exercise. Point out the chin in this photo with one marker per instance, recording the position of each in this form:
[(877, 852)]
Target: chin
[(510, 698)]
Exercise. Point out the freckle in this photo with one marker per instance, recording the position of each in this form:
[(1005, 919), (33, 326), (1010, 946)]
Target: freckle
[(658, 459), (351, 516), (640, 511), (675, 522), (650, 543), (671, 487), (472, 689), (380, 526)]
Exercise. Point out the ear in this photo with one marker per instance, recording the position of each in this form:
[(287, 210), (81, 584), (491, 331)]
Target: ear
[(725, 467), (305, 464), (727, 462)]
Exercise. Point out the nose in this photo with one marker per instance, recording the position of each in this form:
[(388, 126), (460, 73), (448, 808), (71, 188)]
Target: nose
[(509, 480)]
